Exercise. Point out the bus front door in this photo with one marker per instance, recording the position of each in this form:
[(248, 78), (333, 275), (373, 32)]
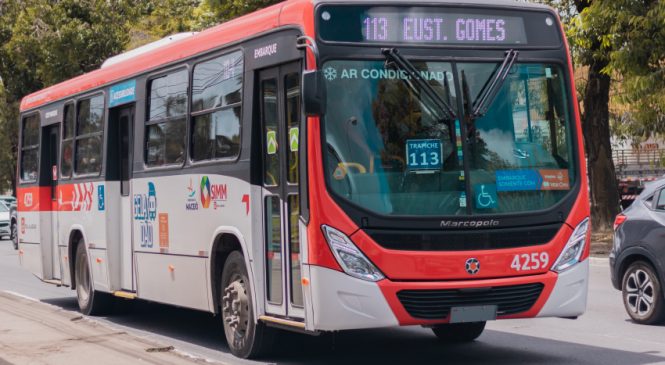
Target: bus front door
[(280, 116)]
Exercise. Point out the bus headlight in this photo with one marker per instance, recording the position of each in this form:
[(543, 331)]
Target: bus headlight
[(349, 257), (574, 247)]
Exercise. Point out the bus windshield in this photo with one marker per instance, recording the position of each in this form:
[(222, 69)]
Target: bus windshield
[(387, 153)]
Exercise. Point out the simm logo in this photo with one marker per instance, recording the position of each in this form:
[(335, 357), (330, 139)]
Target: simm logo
[(215, 194)]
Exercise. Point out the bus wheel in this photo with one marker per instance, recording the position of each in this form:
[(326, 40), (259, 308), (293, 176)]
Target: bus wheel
[(459, 332), (642, 294), (90, 302), (14, 236), (246, 337)]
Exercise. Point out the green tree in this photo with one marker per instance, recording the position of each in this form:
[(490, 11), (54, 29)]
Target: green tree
[(229, 9), (590, 39), (44, 42)]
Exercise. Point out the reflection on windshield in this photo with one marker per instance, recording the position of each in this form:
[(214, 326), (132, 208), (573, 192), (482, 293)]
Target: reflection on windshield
[(386, 152), (372, 119), (519, 150)]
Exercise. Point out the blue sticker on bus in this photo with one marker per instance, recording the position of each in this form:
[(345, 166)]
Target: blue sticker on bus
[(518, 180), (100, 198), (423, 154), (485, 196), (122, 93)]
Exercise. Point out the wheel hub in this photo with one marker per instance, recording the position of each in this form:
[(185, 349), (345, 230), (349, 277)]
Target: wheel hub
[(235, 307), (640, 293)]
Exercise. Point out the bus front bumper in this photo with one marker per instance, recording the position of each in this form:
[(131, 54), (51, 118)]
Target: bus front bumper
[(341, 302)]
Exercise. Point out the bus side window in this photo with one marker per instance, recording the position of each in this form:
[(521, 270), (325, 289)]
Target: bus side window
[(216, 108), (89, 131), (67, 152), (165, 126), (30, 148)]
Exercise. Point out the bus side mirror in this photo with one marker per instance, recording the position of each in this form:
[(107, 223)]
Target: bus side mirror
[(314, 93)]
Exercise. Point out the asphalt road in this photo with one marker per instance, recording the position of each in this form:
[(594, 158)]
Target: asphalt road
[(604, 335)]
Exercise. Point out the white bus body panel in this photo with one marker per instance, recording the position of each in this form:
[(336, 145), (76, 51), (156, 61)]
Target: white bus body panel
[(32, 256), (174, 229)]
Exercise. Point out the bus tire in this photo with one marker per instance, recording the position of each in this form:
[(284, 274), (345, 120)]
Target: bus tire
[(14, 234), (459, 332), (642, 294), (90, 302), (246, 337)]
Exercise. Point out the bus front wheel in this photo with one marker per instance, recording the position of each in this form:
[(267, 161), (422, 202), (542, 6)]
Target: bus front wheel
[(459, 332), (90, 302), (246, 337)]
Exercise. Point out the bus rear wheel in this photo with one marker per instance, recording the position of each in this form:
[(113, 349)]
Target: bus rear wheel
[(459, 332), (90, 302), (246, 337)]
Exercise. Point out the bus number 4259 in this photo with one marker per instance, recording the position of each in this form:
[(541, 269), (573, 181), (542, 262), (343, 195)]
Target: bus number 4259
[(528, 262)]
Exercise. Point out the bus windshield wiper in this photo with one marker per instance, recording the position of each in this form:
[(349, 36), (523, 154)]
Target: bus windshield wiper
[(490, 90), (393, 56)]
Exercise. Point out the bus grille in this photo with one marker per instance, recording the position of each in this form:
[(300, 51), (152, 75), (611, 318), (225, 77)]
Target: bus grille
[(436, 304)]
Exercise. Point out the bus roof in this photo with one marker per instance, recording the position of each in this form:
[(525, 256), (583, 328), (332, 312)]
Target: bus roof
[(285, 13)]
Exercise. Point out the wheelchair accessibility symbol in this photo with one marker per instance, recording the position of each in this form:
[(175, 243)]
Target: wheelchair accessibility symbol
[(486, 196)]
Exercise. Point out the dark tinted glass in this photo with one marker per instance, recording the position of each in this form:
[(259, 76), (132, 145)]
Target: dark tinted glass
[(89, 155), (165, 143), (292, 86), (90, 115), (68, 127), (31, 131), (29, 163), (217, 82), (168, 96), (216, 135), (270, 132), (273, 214), (67, 154)]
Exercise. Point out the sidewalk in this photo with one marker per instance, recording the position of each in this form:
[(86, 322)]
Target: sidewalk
[(32, 332)]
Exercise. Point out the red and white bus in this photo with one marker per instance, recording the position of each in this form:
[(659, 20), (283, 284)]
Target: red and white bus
[(320, 166)]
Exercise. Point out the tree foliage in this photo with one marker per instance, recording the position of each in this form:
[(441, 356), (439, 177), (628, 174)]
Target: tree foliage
[(229, 9), (43, 42)]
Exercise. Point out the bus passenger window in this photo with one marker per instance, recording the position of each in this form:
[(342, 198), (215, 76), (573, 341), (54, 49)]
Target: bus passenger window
[(89, 130), (166, 126), (30, 148), (67, 153), (216, 108)]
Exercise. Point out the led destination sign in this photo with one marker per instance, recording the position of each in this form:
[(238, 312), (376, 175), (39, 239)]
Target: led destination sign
[(443, 28), (436, 26)]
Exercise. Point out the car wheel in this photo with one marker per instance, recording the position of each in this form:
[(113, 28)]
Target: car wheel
[(459, 332), (642, 294), (246, 337), (90, 302), (14, 235)]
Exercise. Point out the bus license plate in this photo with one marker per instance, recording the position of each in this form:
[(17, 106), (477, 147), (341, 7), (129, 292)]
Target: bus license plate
[(476, 313)]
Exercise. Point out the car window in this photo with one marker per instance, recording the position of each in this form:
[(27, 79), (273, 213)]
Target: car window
[(660, 205), (3, 208), (649, 202)]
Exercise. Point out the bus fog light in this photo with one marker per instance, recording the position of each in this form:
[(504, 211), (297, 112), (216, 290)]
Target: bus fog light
[(574, 247), (349, 257)]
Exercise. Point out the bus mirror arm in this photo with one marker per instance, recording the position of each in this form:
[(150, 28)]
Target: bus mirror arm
[(314, 93)]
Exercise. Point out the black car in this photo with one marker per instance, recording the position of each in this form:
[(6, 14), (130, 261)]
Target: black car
[(637, 259)]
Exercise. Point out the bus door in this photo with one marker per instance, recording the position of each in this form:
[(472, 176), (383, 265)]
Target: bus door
[(280, 121), (52, 139), (121, 124)]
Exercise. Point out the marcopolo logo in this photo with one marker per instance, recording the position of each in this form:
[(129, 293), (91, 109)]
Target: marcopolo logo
[(214, 194)]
